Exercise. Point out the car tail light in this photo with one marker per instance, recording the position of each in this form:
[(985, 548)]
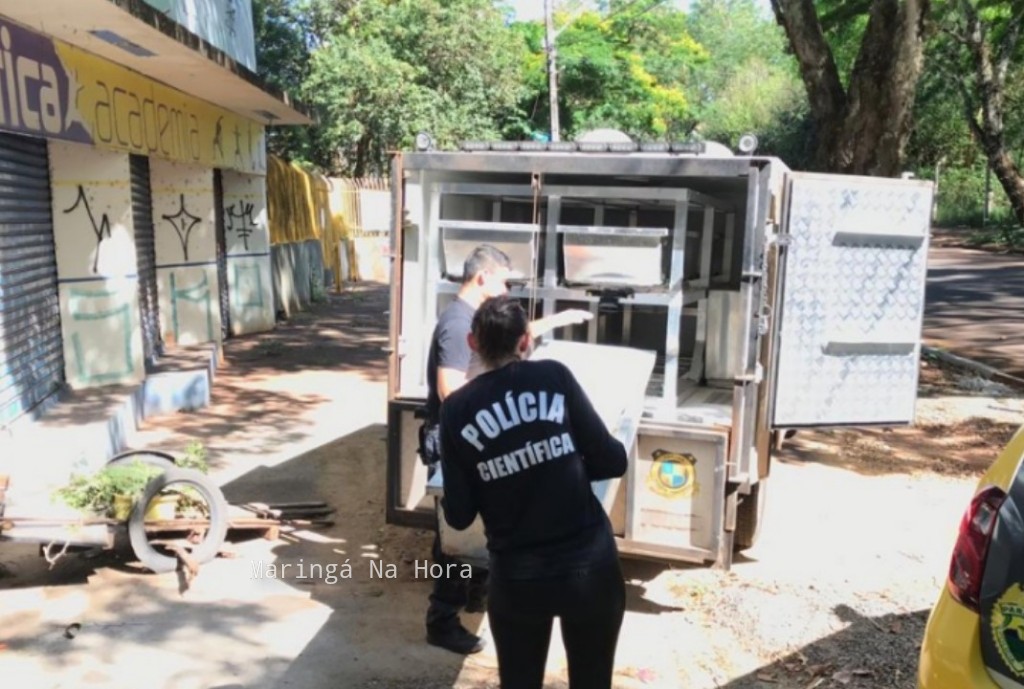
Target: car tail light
[(968, 565)]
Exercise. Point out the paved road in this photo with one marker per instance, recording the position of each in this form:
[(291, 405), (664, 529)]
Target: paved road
[(975, 306)]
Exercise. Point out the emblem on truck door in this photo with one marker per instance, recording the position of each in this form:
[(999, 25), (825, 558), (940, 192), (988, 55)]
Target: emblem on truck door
[(673, 475), (1008, 628)]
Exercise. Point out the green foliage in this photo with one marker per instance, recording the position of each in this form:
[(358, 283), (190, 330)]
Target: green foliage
[(1004, 234), (383, 70), (195, 457), (748, 83), (940, 132), (844, 22), (97, 492), (626, 69), (379, 71), (282, 60), (961, 197), (950, 127)]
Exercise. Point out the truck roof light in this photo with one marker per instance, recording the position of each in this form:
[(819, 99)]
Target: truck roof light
[(622, 147), (654, 147), (688, 147), (562, 146)]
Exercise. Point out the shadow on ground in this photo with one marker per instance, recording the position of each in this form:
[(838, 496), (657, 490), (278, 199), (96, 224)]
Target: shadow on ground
[(347, 332), (966, 448), (265, 395), (870, 652)]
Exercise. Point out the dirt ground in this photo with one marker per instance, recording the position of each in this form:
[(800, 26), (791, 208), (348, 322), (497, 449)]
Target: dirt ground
[(858, 532), (963, 420)]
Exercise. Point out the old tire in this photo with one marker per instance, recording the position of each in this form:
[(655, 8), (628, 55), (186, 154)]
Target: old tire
[(750, 517), (215, 534), (156, 458)]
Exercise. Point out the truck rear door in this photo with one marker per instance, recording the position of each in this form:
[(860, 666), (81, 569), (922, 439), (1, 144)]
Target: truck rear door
[(853, 259)]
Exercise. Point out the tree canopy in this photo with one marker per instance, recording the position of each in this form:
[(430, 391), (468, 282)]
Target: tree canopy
[(863, 86)]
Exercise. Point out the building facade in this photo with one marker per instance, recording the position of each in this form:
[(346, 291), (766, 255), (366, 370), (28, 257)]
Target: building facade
[(133, 201)]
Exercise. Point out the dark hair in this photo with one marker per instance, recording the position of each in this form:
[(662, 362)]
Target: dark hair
[(498, 325), (484, 257)]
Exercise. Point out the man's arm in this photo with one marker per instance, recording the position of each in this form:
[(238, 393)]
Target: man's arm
[(543, 326), (453, 359), (449, 380)]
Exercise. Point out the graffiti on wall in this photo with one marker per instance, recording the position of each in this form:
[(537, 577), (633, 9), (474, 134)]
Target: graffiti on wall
[(198, 295), (100, 228), (240, 221), (107, 311), (183, 223)]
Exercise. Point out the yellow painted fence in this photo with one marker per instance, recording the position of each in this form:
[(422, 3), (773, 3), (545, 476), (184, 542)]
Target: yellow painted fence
[(346, 216)]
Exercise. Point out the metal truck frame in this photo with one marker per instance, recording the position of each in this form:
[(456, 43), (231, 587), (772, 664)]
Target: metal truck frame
[(772, 299)]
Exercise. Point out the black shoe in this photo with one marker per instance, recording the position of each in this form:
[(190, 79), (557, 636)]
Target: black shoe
[(457, 640)]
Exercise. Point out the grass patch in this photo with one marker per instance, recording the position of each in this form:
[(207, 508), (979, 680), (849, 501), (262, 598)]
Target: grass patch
[(1004, 236)]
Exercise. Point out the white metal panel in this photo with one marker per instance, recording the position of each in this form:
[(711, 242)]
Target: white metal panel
[(852, 301), (412, 333)]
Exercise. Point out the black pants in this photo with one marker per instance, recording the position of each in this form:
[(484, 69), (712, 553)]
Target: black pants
[(450, 595), (590, 604)]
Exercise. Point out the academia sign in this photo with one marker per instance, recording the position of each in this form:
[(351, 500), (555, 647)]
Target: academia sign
[(54, 90)]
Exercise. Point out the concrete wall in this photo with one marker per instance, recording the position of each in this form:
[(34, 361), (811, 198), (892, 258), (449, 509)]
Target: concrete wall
[(186, 252), (96, 265), (248, 248), (298, 275)]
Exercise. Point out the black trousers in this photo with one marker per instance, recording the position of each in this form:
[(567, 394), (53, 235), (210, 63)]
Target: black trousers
[(450, 595), (590, 605)]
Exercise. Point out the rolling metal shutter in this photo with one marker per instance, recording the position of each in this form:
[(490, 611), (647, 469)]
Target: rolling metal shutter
[(222, 254), (31, 349), (145, 255)]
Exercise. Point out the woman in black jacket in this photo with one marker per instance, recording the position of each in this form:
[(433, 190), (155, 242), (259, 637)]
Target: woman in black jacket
[(520, 444)]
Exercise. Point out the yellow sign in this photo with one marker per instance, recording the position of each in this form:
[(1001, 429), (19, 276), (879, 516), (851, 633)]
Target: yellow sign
[(125, 111), (673, 475)]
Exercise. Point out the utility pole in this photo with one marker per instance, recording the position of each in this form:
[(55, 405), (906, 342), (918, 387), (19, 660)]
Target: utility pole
[(549, 21)]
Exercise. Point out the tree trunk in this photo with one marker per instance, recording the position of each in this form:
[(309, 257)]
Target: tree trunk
[(1009, 176), (990, 65), (863, 130), (362, 156)]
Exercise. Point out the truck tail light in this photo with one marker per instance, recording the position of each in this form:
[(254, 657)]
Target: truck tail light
[(968, 564)]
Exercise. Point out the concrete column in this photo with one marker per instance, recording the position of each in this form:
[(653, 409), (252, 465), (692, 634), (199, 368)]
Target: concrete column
[(248, 246), (96, 266), (186, 252)]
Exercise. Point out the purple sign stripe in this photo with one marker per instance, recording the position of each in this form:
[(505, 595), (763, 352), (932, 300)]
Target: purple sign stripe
[(35, 87)]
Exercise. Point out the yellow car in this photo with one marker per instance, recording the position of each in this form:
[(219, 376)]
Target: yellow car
[(975, 633)]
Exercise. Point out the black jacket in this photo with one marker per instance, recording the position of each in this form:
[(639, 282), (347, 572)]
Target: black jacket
[(520, 446)]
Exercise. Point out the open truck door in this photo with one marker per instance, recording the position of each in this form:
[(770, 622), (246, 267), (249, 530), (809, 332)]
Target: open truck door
[(847, 331)]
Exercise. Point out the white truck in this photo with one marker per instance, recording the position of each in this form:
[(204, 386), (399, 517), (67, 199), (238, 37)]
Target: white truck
[(734, 300)]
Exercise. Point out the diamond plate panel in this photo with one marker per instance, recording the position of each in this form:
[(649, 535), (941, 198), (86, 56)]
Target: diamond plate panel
[(853, 300)]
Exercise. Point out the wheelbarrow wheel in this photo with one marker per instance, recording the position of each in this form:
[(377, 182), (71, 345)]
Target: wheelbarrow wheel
[(156, 458), (215, 533)]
